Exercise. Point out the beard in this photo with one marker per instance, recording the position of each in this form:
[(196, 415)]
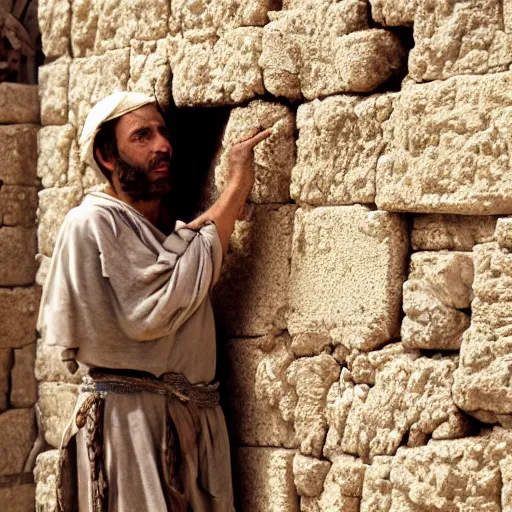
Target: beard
[(135, 180)]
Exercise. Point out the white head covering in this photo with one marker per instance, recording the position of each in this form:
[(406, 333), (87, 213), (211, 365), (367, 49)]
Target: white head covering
[(111, 107)]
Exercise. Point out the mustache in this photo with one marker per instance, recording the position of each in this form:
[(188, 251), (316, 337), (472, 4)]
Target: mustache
[(158, 160)]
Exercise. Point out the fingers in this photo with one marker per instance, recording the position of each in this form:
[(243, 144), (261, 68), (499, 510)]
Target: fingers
[(255, 137)]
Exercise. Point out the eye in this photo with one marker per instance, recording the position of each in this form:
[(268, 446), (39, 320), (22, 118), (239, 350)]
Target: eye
[(141, 134)]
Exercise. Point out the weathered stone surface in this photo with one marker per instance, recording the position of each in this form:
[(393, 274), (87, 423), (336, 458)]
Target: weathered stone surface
[(309, 475), (46, 482), (18, 205), (18, 434), (273, 158), (43, 266), (327, 50), (503, 233), (54, 204), (53, 92), (447, 148), (394, 12), (451, 232), (458, 37), (50, 368), (360, 306), (19, 150), (23, 381), (55, 25), (92, 79), (506, 479), (18, 311), (217, 71), (255, 418), (53, 161), (6, 360), (150, 71), (340, 140), (56, 401), (252, 290), (438, 287), (19, 103), (265, 480), (462, 475), (376, 496), (100, 26), (19, 498), (411, 399), (17, 252)]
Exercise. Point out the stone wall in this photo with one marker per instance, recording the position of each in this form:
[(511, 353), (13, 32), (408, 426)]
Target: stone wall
[(19, 295), (365, 298)]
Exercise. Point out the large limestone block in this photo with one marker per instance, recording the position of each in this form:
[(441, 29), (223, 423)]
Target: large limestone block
[(53, 92), (251, 294), (19, 154), (53, 162), (54, 204), (92, 79), (50, 368), (17, 253), (56, 401), (273, 158), (349, 292), (18, 310), (460, 475), (340, 140), (18, 433), (100, 26), (55, 25), (410, 401), (394, 12), (447, 148), (376, 495), (19, 103), (150, 70), (255, 419), (18, 205), (458, 37), (18, 498), (451, 232), (45, 475), (327, 50), (264, 480), (23, 381), (439, 286), (309, 475), (217, 71)]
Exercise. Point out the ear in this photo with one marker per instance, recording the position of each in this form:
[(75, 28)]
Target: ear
[(108, 164)]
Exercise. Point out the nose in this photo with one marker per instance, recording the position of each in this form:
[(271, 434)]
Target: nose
[(162, 144)]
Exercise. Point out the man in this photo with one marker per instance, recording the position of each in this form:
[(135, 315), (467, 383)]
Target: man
[(128, 295)]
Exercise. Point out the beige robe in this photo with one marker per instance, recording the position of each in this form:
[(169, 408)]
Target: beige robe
[(126, 296)]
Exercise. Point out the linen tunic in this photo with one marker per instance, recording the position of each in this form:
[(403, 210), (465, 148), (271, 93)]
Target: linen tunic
[(127, 296)]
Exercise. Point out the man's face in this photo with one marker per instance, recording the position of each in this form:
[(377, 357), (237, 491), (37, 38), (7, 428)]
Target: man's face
[(143, 165)]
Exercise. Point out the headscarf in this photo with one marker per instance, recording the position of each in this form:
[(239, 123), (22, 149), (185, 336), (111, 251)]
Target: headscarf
[(111, 107)]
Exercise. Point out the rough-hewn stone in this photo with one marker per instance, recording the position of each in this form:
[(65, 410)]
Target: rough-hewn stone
[(19, 154), (54, 203), (18, 311), (53, 92), (53, 161), (50, 368), (458, 37), (19, 498), (252, 291), (447, 148), (18, 434), (265, 480), (17, 252), (46, 481), (273, 158), (394, 12), (18, 205), (100, 26), (23, 381), (309, 474), (350, 292), (376, 495), (438, 287), (6, 361), (56, 401), (217, 71), (451, 232), (326, 50), (19, 103), (55, 25), (91, 79), (340, 140), (256, 419)]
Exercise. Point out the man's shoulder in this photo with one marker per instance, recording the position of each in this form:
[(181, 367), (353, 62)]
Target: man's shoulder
[(88, 217)]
